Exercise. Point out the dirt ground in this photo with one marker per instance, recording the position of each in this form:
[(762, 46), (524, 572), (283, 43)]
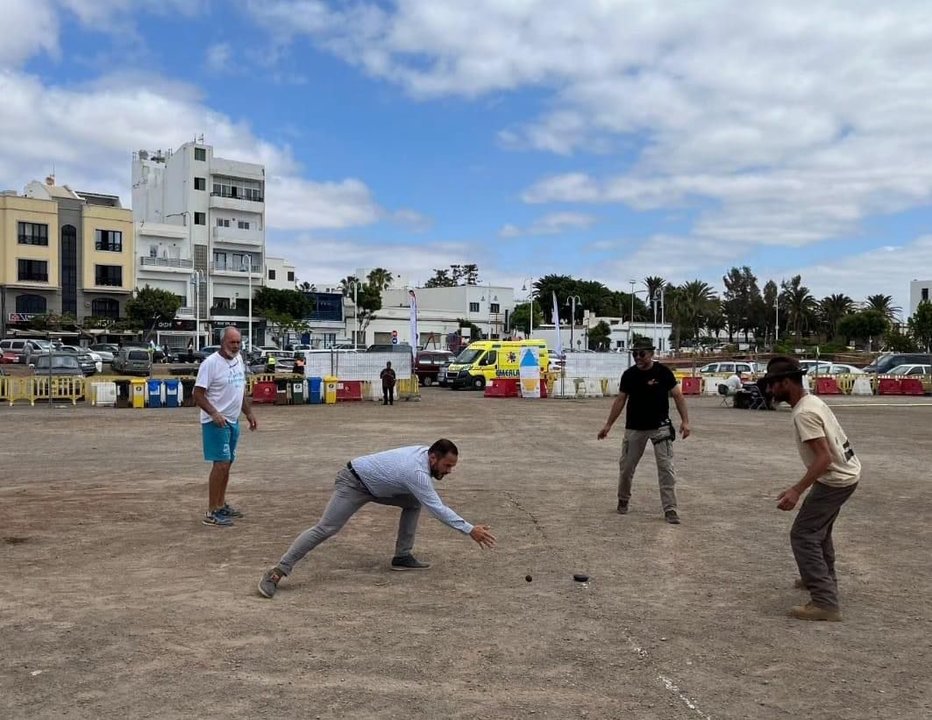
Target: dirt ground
[(117, 603)]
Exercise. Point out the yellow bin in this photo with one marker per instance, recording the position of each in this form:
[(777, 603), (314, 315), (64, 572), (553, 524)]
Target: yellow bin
[(138, 393), (330, 390)]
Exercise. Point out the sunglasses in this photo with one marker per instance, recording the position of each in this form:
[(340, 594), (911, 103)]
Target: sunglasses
[(640, 353)]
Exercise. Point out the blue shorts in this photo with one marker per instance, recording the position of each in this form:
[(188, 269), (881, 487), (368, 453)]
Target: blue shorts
[(220, 442)]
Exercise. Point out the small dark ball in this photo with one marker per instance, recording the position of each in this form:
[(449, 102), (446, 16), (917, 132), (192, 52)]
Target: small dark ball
[(528, 578)]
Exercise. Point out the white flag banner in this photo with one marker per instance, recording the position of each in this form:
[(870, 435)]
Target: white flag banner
[(415, 344), (558, 344)]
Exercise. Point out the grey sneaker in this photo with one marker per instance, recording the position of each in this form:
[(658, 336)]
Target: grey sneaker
[(408, 562), (229, 511), (622, 507), (671, 517), (269, 582), (217, 519)]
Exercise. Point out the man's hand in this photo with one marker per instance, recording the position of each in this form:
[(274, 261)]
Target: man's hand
[(685, 432), (253, 423), (603, 433), (788, 499), (481, 534), (218, 419)]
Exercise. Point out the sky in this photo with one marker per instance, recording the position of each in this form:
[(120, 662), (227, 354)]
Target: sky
[(604, 139)]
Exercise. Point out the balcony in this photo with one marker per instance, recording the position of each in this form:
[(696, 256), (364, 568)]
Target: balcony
[(185, 312), (170, 264), (236, 269), (222, 202), (235, 236)]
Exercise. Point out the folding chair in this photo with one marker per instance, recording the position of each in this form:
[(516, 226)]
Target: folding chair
[(725, 395)]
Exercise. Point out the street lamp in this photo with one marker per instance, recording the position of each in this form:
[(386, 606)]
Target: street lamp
[(571, 300), (247, 264), (196, 277), (530, 282)]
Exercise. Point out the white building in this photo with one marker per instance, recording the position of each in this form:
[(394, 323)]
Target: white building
[(280, 274), (489, 307), (620, 336), (919, 291), (200, 224)]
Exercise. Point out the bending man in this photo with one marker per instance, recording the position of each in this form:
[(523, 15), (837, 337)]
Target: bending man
[(400, 477)]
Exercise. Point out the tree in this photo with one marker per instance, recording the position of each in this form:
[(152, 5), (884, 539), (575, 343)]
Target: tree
[(832, 309), (285, 306), (694, 302), (865, 325), (470, 274), (771, 296), (150, 305), (884, 305), (654, 285), (741, 298), (347, 283), (475, 332), (380, 279), (441, 278), (799, 305), (522, 314), (920, 325), (896, 341), (600, 336)]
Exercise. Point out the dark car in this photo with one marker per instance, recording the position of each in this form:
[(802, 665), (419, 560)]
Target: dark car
[(886, 362), (62, 364), (132, 361), (400, 347), (159, 354), (428, 364), (85, 360)]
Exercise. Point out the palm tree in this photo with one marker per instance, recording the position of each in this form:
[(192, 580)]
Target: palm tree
[(884, 305), (347, 283), (380, 279), (715, 320), (833, 308), (695, 301), (800, 305)]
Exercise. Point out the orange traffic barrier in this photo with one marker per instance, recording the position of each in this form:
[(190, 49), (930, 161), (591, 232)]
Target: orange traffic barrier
[(912, 386), (692, 385), (827, 386), (889, 386)]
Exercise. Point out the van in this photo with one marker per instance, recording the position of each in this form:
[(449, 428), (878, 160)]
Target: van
[(132, 361), (486, 360), (428, 363), (21, 347), (887, 361)]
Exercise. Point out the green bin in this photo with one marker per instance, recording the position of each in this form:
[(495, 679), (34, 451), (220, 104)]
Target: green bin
[(297, 392)]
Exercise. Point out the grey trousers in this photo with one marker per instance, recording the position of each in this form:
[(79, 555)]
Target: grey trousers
[(632, 448), (349, 495), (811, 540)]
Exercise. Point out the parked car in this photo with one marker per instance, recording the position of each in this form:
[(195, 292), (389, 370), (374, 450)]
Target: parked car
[(132, 361), (727, 368), (19, 347), (887, 361), (816, 367), (159, 354), (62, 364), (83, 355), (911, 369), (205, 352), (844, 369), (400, 347), (428, 364), (8, 357), (105, 350)]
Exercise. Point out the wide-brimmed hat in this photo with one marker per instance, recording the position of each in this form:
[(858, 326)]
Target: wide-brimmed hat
[(780, 368), (642, 343)]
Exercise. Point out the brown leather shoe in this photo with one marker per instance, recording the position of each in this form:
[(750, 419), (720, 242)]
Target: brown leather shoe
[(622, 507), (811, 611)]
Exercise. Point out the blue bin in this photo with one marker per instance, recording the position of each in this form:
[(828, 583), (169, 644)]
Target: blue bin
[(315, 395), (155, 393), (172, 395)]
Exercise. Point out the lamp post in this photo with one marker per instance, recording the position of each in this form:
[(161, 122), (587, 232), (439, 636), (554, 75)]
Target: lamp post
[(196, 277), (355, 313), (247, 263), (529, 287), (571, 301)]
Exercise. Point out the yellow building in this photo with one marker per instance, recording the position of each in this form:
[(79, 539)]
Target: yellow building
[(64, 252)]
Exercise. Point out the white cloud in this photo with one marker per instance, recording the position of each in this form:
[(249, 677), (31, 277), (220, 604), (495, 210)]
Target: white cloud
[(218, 57), (29, 27), (552, 224)]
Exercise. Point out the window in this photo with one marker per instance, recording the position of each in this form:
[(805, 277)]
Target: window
[(494, 308), (105, 308), (925, 294), (69, 269), (243, 225), (34, 304), (200, 154), (237, 188), (291, 276), (220, 261), (33, 270), (473, 307), (222, 222), (271, 274), (490, 359), (200, 218), (33, 234), (108, 275), (153, 251), (109, 240), (200, 183)]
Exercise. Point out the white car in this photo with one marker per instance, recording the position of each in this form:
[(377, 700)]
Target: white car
[(727, 368), (911, 370), (844, 369), (816, 367)]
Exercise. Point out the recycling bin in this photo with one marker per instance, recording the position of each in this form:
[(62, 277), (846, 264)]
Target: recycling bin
[(172, 390), (155, 393), (139, 393), (315, 386), (297, 392), (330, 390)]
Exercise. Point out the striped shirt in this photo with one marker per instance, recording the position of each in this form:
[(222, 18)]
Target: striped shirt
[(406, 471)]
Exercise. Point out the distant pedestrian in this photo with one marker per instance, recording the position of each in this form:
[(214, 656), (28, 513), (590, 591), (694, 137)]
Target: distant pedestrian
[(402, 478), (220, 393), (388, 384), (648, 385), (832, 471)]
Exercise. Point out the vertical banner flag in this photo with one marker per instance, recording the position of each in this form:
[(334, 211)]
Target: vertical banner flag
[(558, 344), (415, 344)]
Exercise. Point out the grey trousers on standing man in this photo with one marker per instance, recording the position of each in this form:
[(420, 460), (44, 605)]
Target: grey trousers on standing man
[(632, 448), (349, 495)]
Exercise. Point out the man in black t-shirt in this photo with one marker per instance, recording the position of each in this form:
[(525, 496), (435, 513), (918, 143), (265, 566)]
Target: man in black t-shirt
[(646, 388)]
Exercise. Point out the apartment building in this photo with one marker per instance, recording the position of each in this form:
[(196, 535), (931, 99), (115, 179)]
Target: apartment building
[(64, 252), (200, 223)]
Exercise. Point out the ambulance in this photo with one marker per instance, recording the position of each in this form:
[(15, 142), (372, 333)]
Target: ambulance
[(485, 360)]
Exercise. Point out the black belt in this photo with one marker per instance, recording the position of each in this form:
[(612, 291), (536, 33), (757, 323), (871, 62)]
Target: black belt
[(349, 466)]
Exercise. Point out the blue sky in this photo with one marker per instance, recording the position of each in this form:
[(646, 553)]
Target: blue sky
[(606, 140)]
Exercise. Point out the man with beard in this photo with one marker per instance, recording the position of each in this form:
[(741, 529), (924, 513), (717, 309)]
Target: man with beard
[(832, 472), (401, 477)]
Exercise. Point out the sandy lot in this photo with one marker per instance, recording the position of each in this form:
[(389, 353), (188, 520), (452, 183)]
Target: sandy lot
[(117, 603)]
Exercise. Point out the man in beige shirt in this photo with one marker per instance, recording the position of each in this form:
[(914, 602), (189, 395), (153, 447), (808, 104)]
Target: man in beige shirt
[(832, 471)]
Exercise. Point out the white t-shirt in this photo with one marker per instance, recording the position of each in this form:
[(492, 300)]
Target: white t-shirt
[(225, 382), (734, 382), (813, 419)]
